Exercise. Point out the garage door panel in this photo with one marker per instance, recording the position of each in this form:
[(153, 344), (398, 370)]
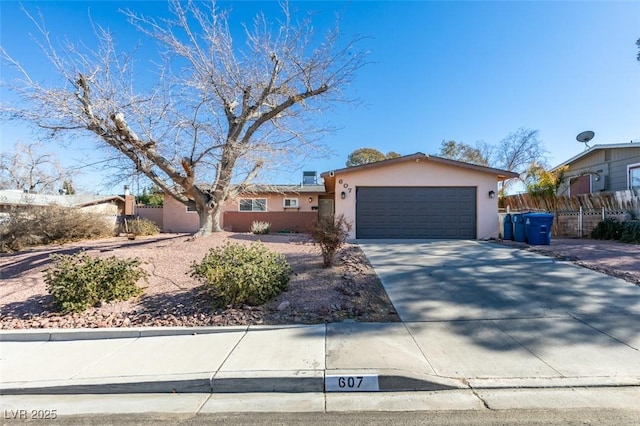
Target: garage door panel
[(416, 212)]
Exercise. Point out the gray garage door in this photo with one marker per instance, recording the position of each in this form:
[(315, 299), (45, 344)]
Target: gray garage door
[(416, 212)]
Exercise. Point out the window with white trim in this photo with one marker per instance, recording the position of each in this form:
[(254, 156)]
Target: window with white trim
[(252, 205), (633, 176), (291, 203)]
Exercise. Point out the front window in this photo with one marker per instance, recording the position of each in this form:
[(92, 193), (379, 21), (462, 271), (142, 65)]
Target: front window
[(291, 203), (634, 177), (253, 205)]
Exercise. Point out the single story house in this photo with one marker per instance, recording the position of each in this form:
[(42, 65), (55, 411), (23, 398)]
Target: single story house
[(110, 206), (610, 167), (414, 196), (292, 208), (417, 196)]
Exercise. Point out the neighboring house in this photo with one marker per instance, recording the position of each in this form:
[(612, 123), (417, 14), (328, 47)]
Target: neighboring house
[(417, 196), (613, 167), (111, 206), (291, 208)]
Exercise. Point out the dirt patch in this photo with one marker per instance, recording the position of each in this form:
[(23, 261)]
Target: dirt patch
[(349, 291), (616, 259)]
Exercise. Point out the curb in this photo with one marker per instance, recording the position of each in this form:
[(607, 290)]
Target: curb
[(234, 382), (302, 382), (61, 334)]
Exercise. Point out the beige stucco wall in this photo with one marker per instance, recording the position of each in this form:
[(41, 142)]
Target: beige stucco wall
[(421, 173)]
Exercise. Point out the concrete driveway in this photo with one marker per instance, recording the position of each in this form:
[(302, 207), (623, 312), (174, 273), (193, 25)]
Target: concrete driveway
[(438, 280), (479, 309)]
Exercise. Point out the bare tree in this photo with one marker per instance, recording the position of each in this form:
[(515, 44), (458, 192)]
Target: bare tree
[(29, 169), (518, 152), (219, 112)]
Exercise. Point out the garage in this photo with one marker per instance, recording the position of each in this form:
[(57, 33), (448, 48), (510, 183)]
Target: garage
[(417, 196), (416, 212)]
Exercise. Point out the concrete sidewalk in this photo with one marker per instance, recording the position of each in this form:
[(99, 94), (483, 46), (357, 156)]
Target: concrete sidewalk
[(412, 356)]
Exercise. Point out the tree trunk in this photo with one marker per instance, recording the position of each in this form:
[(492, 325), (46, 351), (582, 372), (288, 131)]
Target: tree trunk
[(209, 219)]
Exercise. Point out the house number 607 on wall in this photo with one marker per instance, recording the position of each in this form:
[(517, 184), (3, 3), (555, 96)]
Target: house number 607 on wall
[(344, 185)]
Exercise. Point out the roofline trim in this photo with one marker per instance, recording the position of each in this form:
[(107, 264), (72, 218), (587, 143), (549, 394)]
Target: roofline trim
[(418, 156)]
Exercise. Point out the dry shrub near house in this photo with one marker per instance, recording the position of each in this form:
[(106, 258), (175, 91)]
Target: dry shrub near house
[(330, 234), (140, 227), (260, 228), (50, 225), (238, 274)]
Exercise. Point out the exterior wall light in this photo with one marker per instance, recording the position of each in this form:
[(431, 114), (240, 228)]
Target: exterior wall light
[(311, 199), (492, 194), (343, 195)]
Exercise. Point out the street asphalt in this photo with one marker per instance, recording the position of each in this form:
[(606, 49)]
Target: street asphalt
[(483, 325)]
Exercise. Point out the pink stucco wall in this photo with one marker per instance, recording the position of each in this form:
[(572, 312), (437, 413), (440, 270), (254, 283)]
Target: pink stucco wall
[(176, 217), (153, 213), (421, 172), (275, 202)]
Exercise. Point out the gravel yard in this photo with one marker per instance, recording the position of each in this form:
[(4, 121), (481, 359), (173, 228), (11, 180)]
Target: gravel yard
[(350, 290)]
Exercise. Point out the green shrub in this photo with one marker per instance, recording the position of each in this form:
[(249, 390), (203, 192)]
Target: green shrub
[(330, 234), (141, 227), (259, 228), (80, 281), (630, 232), (238, 274), (50, 225), (608, 229)]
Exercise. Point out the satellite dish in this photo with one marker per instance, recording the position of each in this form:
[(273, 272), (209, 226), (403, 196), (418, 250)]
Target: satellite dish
[(585, 137)]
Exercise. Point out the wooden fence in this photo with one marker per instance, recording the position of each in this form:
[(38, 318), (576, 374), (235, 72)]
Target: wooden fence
[(576, 216), (616, 201)]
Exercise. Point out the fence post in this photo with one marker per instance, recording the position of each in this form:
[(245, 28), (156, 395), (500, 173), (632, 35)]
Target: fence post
[(580, 223), (603, 214)]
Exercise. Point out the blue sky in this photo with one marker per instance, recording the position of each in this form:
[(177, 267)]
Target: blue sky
[(463, 71)]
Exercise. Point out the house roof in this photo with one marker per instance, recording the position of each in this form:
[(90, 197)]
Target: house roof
[(21, 198), (597, 148), (279, 189), (502, 174)]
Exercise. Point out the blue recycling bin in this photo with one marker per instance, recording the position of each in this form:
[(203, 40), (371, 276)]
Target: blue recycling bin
[(538, 228), (507, 228), (519, 233)]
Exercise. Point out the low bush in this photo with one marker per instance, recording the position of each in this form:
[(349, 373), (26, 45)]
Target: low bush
[(140, 227), (80, 281), (631, 232), (239, 274), (608, 229), (330, 234), (50, 225), (260, 228)]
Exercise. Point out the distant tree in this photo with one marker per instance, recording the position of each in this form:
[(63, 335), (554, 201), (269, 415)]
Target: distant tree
[(460, 151), (368, 155), (29, 169), (638, 44), (543, 183), (220, 106), (151, 196), (67, 187)]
